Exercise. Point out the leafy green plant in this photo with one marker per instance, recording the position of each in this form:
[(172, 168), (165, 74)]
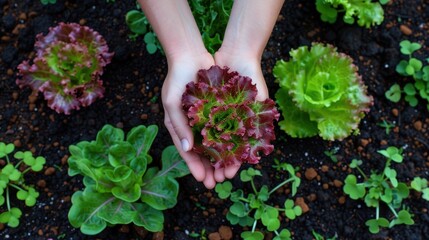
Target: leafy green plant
[(230, 126), (120, 187), (320, 93), (12, 177), (380, 188), (211, 18), (69, 62), (253, 208), (411, 67), (367, 12)]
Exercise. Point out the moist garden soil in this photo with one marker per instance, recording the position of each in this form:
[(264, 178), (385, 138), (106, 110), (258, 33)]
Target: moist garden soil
[(133, 81)]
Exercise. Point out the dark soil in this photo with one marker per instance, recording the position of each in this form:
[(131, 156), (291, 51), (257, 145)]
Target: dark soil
[(133, 82)]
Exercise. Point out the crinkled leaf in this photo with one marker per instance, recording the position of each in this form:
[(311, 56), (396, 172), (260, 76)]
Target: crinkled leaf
[(320, 93), (69, 62), (234, 128)]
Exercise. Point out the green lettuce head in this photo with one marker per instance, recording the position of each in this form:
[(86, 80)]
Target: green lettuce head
[(320, 93)]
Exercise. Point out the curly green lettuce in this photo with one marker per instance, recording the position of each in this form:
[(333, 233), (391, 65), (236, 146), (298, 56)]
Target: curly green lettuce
[(230, 126), (367, 12), (67, 68), (320, 93)]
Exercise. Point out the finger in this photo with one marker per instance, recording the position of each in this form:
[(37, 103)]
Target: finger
[(193, 160), (230, 171), (219, 175), (178, 122), (209, 180)]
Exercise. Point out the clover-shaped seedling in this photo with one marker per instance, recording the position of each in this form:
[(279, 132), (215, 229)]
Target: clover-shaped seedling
[(392, 153), (283, 235), (410, 92), (238, 209), (421, 185), (248, 235), (408, 48), (352, 188), (248, 174), (394, 93), (238, 214), (375, 224), (11, 172), (11, 217), (292, 210), (404, 217), (5, 149), (355, 163), (270, 219), (223, 189), (36, 164), (413, 65), (29, 196), (150, 40)]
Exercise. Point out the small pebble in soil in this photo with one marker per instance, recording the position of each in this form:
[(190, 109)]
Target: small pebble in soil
[(310, 173)]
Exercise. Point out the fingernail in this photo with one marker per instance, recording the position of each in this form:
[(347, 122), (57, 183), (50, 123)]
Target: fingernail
[(185, 145)]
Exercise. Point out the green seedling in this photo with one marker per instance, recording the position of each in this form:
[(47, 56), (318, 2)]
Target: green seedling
[(421, 185), (12, 178), (386, 125), (411, 67), (379, 188), (254, 208), (318, 236), (332, 154)]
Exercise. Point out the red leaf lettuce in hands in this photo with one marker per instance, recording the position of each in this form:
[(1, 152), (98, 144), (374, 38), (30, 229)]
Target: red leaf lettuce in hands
[(230, 126), (67, 68)]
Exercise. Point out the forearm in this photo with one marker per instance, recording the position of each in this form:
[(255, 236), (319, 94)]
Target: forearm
[(250, 26), (174, 26)]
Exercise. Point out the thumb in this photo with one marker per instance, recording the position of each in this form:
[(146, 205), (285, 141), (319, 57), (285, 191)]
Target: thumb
[(180, 127)]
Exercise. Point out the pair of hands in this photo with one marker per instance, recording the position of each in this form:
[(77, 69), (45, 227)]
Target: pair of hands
[(182, 70)]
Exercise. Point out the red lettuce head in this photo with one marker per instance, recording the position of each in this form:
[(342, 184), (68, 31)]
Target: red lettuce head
[(221, 107), (67, 68)]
